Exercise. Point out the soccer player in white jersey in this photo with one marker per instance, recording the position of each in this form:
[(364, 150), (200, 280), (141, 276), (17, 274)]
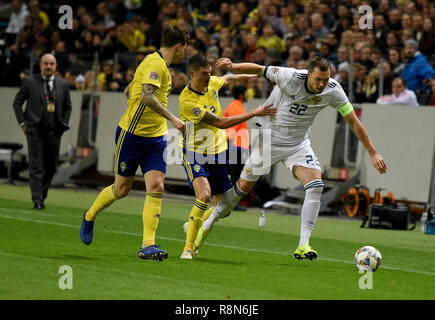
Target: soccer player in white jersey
[(299, 95)]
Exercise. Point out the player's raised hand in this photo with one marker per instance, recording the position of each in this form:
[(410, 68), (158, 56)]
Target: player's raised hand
[(224, 63), (268, 110), (379, 163)]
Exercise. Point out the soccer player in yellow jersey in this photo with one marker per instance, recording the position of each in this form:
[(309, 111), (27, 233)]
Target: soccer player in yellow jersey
[(141, 140), (204, 146)]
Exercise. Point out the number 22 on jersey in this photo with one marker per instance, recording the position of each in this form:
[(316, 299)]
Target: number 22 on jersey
[(298, 108)]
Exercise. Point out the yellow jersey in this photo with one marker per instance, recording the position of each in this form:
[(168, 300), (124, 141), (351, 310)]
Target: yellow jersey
[(140, 119), (201, 137)]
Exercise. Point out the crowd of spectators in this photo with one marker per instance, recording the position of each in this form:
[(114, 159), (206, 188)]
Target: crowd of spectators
[(399, 40)]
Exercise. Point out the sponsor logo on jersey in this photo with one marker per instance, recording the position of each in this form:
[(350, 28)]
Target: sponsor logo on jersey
[(154, 75), (214, 94), (248, 170), (196, 167)]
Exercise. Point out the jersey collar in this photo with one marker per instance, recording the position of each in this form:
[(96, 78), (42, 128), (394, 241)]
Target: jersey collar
[(160, 54), (306, 86), (197, 92)]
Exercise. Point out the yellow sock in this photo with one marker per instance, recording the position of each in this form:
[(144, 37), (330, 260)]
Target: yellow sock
[(207, 214), (151, 216), (195, 222), (106, 197)]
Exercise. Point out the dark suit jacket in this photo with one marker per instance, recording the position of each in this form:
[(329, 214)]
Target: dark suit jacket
[(32, 90)]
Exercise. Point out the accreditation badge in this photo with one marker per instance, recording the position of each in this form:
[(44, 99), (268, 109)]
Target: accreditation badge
[(50, 107)]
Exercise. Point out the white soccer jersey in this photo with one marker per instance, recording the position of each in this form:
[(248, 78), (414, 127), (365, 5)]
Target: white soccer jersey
[(297, 105)]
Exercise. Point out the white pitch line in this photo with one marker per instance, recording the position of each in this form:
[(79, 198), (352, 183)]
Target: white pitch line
[(208, 243)]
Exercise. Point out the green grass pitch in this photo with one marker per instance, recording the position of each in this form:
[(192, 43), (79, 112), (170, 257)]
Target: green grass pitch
[(239, 261)]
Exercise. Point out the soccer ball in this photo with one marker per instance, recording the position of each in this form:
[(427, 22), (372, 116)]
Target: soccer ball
[(368, 258)]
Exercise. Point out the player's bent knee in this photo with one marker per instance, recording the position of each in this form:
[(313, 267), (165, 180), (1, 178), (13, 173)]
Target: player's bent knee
[(122, 191), (204, 197), (154, 181), (160, 189), (155, 187)]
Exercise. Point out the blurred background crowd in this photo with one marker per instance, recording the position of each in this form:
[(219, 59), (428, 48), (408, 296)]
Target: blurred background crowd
[(109, 38)]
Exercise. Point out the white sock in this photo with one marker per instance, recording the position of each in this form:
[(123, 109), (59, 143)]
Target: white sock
[(310, 209), (230, 199)]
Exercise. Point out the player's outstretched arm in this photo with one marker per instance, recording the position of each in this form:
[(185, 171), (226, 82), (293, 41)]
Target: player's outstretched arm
[(245, 67), (150, 100), (358, 128), (234, 77), (228, 122)]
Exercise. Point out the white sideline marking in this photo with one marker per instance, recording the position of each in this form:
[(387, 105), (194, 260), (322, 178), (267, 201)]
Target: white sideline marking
[(210, 244)]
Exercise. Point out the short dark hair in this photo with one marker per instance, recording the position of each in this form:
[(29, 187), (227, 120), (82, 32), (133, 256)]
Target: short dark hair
[(173, 35), (197, 61), (399, 78), (261, 48), (321, 63), (237, 91)]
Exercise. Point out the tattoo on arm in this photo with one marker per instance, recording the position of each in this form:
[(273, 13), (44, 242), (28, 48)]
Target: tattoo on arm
[(229, 78), (151, 101), (148, 90), (210, 118)]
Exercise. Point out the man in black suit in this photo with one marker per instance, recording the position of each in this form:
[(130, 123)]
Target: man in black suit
[(44, 120)]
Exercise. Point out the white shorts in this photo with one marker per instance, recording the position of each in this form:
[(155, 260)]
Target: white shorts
[(263, 158)]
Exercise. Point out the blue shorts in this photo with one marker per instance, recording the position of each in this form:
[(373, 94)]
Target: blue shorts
[(133, 151), (214, 167)]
